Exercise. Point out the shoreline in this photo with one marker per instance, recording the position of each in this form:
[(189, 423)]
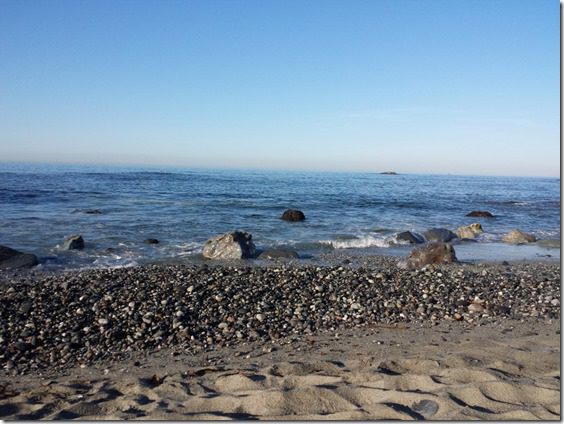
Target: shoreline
[(467, 253)]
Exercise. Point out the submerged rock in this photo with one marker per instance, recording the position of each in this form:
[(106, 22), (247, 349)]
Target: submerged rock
[(412, 238), (10, 258), (481, 214), (234, 245), (293, 215), (278, 253), (470, 231), (439, 234), (549, 243), (432, 253), (75, 242), (518, 237)]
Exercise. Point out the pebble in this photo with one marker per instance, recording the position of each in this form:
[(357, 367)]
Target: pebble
[(475, 308)]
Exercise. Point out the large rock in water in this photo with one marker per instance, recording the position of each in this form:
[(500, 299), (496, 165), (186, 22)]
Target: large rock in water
[(74, 242), (293, 215), (411, 238), (234, 245), (480, 214), (439, 234), (470, 231), (518, 237), (432, 253), (10, 258)]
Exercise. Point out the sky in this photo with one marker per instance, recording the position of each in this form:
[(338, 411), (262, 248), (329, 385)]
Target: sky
[(412, 86)]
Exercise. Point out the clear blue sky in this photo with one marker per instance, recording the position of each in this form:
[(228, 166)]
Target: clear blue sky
[(423, 86)]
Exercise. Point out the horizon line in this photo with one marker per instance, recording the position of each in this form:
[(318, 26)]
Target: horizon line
[(260, 169)]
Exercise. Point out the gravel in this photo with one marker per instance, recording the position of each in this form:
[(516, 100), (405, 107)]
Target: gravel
[(57, 320)]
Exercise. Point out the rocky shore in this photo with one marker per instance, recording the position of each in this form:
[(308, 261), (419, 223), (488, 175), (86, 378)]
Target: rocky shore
[(53, 321)]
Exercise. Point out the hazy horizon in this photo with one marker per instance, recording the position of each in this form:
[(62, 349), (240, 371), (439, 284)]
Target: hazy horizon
[(149, 167), (421, 87)]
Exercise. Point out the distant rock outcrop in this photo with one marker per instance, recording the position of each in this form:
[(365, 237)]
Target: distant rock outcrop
[(10, 258), (439, 234), (518, 237), (432, 253), (75, 242), (470, 231), (234, 245), (481, 214), (293, 215)]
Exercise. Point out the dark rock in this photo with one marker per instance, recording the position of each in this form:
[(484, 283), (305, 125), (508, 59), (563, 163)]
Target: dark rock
[(412, 238), (10, 258), (151, 241), (74, 242), (439, 234), (481, 214), (293, 215), (93, 211), (278, 253), (432, 253), (234, 245)]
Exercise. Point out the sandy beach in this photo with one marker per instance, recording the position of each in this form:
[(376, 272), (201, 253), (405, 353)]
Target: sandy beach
[(441, 360)]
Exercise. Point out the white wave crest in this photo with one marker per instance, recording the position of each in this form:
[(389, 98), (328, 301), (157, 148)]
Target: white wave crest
[(361, 242)]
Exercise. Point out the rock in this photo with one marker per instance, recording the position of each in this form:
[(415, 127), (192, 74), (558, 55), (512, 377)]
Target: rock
[(439, 234), (293, 215), (549, 243), (74, 242), (388, 173), (470, 231), (93, 211), (426, 407), (151, 241), (432, 253), (10, 258), (278, 254), (481, 214), (412, 238), (234, 245), (518, 237)]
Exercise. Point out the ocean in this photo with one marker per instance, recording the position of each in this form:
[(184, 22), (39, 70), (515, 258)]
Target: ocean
[(42, 204)]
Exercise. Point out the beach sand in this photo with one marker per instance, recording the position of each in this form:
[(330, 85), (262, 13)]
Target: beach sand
[(502, 369), (450, 371)]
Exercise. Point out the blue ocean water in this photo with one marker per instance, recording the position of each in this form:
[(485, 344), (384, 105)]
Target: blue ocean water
[(41, 205)]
